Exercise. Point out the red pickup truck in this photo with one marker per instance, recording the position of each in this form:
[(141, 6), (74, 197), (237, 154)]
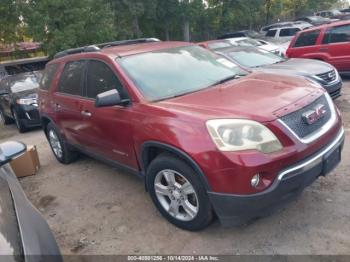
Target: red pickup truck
[(329, 43)]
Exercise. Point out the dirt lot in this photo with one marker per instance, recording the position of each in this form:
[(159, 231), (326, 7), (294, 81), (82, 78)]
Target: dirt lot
[(95, 209)]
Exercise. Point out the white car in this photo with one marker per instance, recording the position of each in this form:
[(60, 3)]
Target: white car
[(259, 43), (284, 33)]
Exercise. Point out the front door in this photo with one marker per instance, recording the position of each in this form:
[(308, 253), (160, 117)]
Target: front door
[(107, 130)]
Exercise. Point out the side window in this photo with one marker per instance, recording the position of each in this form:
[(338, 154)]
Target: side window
[(47, 77), (101, 78), (71, 78), (289, 31), (307, 39), (337, 35), (271, 33)]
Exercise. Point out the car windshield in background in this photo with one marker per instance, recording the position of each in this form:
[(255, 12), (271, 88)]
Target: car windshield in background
[(218, 45), (174, 72), (254, 58), (24, 84), (247, 42)]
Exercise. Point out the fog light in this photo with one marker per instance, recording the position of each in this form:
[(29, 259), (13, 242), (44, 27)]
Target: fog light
[(255, 180)]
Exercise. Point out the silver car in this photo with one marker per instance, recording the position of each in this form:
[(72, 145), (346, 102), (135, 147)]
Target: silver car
[(254, 59)]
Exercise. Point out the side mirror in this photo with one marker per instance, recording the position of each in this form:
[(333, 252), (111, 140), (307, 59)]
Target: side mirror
[(3, 92), (109, 98), (10, 150)]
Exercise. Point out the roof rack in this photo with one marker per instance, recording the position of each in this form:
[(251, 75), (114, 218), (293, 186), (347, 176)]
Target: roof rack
[(98, 47)]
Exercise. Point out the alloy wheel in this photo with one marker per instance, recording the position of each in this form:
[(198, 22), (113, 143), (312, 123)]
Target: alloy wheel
[(176, 195), (55, 144)]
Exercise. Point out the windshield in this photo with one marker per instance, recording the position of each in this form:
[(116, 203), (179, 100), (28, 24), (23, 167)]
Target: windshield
[(24, 83), (248, 42), (218, 45), (254, 58), (173, 72)]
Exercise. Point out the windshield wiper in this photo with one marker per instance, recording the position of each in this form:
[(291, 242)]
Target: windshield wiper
[(226, 80)]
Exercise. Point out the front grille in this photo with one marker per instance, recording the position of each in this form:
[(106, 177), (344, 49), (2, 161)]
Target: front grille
[(299, 126), (328, 77)]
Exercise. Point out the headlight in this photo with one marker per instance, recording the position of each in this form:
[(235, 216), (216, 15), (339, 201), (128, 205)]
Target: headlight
[(241, 134), (26, 101)]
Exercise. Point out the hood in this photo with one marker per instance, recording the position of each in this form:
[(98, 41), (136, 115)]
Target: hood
[(302, 67), (257, 96), (31, 93)]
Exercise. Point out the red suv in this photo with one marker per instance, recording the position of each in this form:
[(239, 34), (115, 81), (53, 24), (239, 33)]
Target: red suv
[(207, 137), (329, 43)]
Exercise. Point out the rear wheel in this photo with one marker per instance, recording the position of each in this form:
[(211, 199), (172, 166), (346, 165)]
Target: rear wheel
[(4, 120), (20, 126), (59, 147), (178, 193)]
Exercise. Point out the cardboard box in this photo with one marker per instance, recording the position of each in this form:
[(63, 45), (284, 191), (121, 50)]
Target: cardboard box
[(26, 164)]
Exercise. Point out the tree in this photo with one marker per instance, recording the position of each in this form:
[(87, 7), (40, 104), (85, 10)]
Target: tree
[(10, 21), (63, 24)]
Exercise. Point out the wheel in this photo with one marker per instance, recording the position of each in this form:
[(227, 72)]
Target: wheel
[(4, 120), (59, 147), (21, 128), (178, 193)]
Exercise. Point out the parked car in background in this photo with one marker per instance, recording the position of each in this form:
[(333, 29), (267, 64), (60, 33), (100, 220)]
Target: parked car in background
[(329, 43), (262, 44), (244, 33), (242, 41), (205, 135), (255, 59), (315, 20), (265, 29), (24, 234), (333, 14), (18, 100), (283, 33)]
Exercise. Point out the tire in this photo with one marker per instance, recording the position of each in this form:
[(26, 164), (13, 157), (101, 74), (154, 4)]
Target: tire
[(187, 207), (4, 120), (20, 126), (59, 147)]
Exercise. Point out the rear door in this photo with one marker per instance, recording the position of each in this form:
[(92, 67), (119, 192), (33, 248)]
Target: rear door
[(67, 101), (306, 45), (107, 130), (336, 43)]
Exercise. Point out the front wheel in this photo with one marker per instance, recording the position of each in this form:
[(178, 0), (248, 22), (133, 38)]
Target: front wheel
[(20, 126), (178, 193)]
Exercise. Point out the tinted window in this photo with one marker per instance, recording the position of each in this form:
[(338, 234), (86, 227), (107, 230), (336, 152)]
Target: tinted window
[(177, 71), (307, 38), (271, 33), (47, 77), (337, 35), (101, 79), (71, 78), (289, 31)]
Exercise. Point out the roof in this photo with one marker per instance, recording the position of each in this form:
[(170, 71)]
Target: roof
[(337, 23), (25, 61), (126, 50)]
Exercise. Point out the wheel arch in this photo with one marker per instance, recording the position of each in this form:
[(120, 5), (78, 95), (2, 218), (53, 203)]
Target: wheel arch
[(151, 149)]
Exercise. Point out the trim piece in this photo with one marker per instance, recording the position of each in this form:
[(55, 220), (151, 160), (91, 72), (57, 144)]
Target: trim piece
[(314, 160), (320, 132)]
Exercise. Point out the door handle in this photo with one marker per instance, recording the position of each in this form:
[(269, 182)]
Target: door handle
[(57, 107), (86, 113)]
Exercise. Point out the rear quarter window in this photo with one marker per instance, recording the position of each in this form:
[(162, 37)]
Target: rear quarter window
[(48, 76), (271, 33), (307, 38)]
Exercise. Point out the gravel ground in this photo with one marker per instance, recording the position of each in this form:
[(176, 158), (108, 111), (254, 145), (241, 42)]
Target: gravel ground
[(95, 209)]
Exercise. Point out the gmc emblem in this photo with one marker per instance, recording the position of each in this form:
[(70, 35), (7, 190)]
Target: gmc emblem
[(312, 116)]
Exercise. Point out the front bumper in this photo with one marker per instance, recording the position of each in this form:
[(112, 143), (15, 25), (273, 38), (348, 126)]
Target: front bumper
[(29, 115), (238, 209)]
